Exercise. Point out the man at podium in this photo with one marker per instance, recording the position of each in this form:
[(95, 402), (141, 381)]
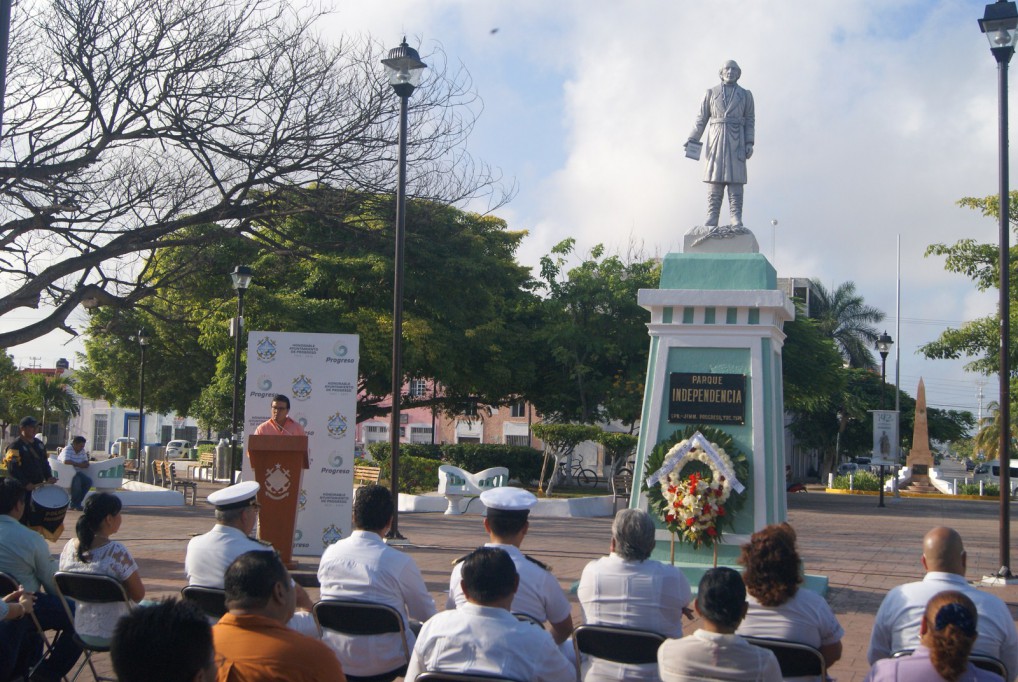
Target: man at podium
[(280, 424)]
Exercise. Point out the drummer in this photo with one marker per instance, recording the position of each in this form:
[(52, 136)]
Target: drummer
[(26, 459)]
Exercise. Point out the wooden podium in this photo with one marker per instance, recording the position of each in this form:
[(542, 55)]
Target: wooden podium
[(277, 462)]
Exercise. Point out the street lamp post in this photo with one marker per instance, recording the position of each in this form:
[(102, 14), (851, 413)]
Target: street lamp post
[(404, 68), (1000, 25), (884, 343), (241, 277), (143, 472)]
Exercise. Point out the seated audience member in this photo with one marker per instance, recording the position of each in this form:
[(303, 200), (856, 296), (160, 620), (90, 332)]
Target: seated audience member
[(92, 551), (168, 642), (896, 626), (75, 455), (715, 652), (363, 567), (20, 647), (209, 555), (540, 596), (482, 636), (627, 588), (252, 639), (777, 607), (25, 555), (947, 632)]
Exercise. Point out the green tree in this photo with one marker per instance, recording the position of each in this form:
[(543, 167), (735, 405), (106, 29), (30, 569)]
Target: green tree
[(465, 301), (50, 398), (591, 342), (617, 448), (987, 439), (560, 441), (11, 387), (842, 315), (812, 369)]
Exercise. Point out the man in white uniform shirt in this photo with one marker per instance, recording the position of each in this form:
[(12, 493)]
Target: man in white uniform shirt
[(481, 636), (896, 625), (363, 567), (629, 589), (209, 555), (539, 595)]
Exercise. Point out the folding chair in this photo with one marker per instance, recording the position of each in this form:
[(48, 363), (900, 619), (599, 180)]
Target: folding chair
[(360, 618), (89, 588), (794, 658), (629, 646), (436, 676), (8, 584), (984, 661), (622, 487), (527, 618), (170, 475), (210, 600)]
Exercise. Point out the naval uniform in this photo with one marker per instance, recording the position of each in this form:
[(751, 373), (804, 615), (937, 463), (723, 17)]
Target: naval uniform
[(209, 555)]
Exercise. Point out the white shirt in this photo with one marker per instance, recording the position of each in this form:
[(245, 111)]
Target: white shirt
[(539, 595), (363, 567), (806, 618), (112, 559), (896, 625), (648, 595), (489, 640), (69, 456), (712, 656), (209, 555)]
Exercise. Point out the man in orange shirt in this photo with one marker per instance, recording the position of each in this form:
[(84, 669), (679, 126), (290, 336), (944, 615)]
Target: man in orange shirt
[(252, 641), (280, 424)]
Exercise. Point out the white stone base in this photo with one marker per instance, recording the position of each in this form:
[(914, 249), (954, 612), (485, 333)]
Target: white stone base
[(134, 494), (745, 242)]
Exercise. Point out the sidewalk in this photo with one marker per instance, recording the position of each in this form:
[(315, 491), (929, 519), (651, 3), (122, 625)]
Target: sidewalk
[(864, 550)]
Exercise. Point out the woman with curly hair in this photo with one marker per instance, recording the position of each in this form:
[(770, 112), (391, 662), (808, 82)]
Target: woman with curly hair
[(777, 607), (92, 551), (946, 634)]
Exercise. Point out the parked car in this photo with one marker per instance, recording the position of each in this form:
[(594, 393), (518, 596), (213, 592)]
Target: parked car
[(115, 445), (848, 468), (178, 449)]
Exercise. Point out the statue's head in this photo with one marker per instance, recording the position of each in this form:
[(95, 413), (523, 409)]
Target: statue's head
[(730, 72)]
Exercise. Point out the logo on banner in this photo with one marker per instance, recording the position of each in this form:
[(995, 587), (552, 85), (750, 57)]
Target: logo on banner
[(339, 350), (266, 350), (264, 383), (302, 388), (331, 535), (297, 535), (336, 460), (302, 500), (277, 482), (337, 425)]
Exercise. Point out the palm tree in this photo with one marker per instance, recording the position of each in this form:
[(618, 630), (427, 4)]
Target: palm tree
[(842, 316), (987, 440), (52, 395)]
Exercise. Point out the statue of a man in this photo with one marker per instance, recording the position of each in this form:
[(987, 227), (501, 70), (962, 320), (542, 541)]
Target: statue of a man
[(728, 117)]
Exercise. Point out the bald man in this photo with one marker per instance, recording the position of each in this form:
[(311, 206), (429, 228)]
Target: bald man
[(897, 623)]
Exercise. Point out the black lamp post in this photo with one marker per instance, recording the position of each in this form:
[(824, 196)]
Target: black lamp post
[(404, 68), (241, 276), (884, 343), (143, 340), (1000, 25)]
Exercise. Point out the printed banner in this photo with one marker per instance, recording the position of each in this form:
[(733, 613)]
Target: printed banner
[(885, 437), (318, 372)]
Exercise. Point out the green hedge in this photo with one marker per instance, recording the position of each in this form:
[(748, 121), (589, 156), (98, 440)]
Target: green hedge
[(523, 463), (416, 474), (206, 447), (863, 480), (973, 489)]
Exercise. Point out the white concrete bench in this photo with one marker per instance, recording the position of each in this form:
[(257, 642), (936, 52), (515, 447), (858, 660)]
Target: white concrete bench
[(454, 483), (106, 474)]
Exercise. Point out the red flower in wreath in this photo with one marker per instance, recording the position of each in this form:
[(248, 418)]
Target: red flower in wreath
[(711, 531), (690, 521)]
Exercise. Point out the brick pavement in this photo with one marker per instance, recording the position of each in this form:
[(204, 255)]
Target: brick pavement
[(862, 549)]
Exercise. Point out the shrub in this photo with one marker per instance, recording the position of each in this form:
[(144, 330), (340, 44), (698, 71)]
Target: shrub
[(989, 490), (380, 450), (863, 480), (416, 474)]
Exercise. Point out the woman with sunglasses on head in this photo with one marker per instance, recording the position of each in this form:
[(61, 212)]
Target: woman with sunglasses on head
[(92, 551)]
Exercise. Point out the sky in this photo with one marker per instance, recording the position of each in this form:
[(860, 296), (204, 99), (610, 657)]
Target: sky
[(873, 117)]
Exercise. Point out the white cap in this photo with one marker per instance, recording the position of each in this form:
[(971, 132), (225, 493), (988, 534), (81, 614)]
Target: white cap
[(239, 495), (508, 499)]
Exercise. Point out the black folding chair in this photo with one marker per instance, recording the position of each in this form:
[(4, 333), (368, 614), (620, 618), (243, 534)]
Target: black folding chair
[(90, 588), (436, 676), (794, 658), (360, 618), (629, 646), (210, 600), (984, 661), (527, 618), (8, 584)]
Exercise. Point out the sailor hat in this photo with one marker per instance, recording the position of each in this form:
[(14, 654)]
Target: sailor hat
[(235, 496), (508, 501)]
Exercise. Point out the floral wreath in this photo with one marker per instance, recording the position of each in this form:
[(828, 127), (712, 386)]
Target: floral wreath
[(693, 483)]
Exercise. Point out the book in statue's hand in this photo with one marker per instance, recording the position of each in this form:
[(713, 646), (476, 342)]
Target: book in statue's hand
[(693, 149)]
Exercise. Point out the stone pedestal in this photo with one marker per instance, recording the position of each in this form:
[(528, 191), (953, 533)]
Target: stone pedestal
[(720, 313), (920, 458)]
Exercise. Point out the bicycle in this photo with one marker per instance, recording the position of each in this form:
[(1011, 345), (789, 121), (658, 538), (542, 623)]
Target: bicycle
[(582, 476)]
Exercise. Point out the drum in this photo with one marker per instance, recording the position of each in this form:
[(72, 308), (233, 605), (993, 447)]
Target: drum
[(46, 513)]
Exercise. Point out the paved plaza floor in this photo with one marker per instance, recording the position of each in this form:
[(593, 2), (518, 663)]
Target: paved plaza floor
[(864, 550)]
